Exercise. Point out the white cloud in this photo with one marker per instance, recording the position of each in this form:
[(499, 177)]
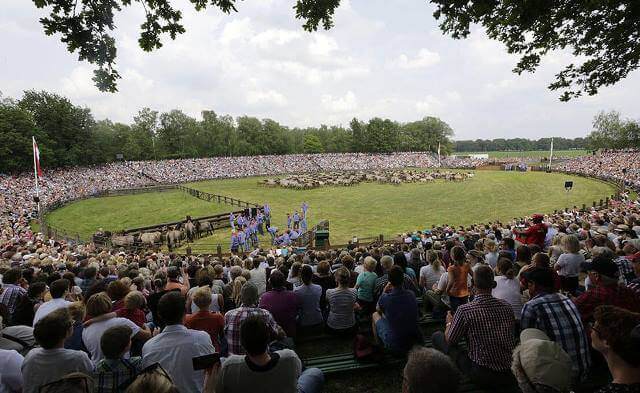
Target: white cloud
[(273, 37), (322, 45), (346, 103), (269, 97), (430, 105), (237, 30), (423, 59)]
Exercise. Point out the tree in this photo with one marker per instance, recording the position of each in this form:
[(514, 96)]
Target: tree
[(16, 129), (611, 131), (426, 134), (603, 32), (312, 144)]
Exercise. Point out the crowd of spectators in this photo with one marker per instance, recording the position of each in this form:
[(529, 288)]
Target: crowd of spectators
[(614, 165), (560, 289)]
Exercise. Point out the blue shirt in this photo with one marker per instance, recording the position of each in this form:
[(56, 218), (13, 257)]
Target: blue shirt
[(296, 217), (400, 309), (267, 209), (273, 229), (241, 237)]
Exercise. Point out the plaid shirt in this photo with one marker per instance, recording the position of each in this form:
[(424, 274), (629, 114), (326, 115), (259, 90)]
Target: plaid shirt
[(635, 286), (233, 319), (557, 316), (9, 297), (110, 374), (488, 324), (625, 267), (610, 295)]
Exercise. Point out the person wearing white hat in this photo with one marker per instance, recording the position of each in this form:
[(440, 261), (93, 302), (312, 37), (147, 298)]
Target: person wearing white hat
[(541, 365)]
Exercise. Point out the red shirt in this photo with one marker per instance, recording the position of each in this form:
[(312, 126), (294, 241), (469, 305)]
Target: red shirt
[(610, 295), (535, 234), (206, 321), (136, 315)]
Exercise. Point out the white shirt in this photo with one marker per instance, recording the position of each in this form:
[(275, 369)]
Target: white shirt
[(10, 371), (174, 349), (430, 276), (509, 291), (259, 279), (92, 334), (48, 307)]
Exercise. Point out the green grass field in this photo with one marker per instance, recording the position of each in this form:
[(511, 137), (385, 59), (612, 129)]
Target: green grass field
[(530, 153), (366, 210)]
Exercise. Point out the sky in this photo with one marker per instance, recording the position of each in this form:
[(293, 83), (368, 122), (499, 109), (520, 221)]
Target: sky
[(380, 60)]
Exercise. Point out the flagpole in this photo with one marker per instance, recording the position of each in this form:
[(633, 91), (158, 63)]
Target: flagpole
[(35, 173), (551, 154), (439, 163)]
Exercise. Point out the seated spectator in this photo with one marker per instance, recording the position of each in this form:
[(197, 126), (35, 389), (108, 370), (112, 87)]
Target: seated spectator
[(604, 290), (395, 324), (294, 275), (11, 376), (324, 278), (342, 304), (507, 287), (99, 310), (569, 263), (26, 307), (88, 280), (541, 365), (457, 286), (177, 279), (281, 303), (430, 274), (52, 361), (248, 307), (488, 325), (557, 316), (11, 290), (153, 379), (58, 290), (205, 320), (429, 371), (261, 371), (309, 294), (616, 335), (176, 346), (133, 308), (77, 312), (365, 284), (117, 290), (634, 285), (114, 372), (491, 253), (386, 262)]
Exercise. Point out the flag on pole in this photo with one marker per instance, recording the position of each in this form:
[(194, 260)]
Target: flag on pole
[(36, 159), (439, 153), (551, 153)]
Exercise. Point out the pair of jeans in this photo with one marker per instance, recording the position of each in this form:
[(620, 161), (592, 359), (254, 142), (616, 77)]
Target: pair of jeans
[(310, 381)]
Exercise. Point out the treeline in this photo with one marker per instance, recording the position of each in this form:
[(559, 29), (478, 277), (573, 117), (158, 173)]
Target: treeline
[(69, 135), (520, 144)]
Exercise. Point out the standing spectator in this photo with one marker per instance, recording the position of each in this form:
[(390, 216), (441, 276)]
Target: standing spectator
[(205, 320), (281, 303), (616, 335), (11, 376), (342, 303), (365, 284), (51, 361), (177, 281), (248, 307), (309, 294), (114, 371), (557, 316), (604, 290), (457, 287), (133, 308), (491, 253), (262, 371), (11, 290), (88, 280), (58, 290), (395, 323), (429, 371), (259, 277), (569, 263), (634, 285), (176, 346), (488, 326)]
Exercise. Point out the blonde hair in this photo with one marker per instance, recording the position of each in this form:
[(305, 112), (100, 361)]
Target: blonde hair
[(370, 264), (99, 304), (434, 260), (155, 381), (571, 244), (238, 283), (77, 311), (133, 300), (490, 245), (202, 297)]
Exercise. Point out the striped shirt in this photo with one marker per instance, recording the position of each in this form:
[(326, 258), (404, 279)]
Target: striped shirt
[(557, 316), (115, 375), (488, 325), (234, 318), (341, 301)]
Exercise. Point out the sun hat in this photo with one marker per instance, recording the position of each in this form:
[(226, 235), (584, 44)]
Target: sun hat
[(543, 361)]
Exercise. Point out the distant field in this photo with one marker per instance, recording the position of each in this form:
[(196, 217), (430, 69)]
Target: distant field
[(365, 210), (530, 153)]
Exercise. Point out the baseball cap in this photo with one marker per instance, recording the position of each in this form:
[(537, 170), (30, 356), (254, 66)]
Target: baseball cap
[(540, 276), (543, 361), (603, 266)]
